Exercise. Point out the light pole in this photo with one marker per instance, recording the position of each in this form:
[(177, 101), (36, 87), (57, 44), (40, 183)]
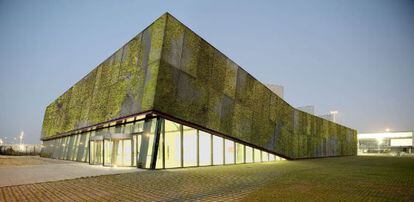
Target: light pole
[(334, 113), (21, 141), (21, 137)]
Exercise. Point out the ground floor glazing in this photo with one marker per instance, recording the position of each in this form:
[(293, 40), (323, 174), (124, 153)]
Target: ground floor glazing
[(154, 143)]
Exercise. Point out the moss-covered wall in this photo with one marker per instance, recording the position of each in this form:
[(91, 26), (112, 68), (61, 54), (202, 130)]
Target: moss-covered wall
[(123, 84), (199, 84)]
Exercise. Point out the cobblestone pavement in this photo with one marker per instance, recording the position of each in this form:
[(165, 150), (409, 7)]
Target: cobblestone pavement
[(345, 178), (18, 170), (7, 161)]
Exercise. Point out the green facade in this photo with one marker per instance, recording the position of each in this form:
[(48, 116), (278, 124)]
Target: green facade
[(170, 69)]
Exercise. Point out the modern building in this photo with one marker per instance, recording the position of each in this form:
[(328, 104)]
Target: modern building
[(169, 99), (394, 143), (310, 109)]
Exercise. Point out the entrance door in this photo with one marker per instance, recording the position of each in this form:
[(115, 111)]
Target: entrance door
[(96, 150), (118, 152)]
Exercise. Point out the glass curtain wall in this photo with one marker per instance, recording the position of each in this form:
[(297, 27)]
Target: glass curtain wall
[(172, 145), (183, 146), (205, 147), (133, 144)]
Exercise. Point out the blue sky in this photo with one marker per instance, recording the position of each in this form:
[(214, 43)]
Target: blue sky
[(353, 56)]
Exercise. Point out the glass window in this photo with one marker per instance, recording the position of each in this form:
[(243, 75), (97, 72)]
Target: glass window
[(148, 142), (118, 129), (71, 147), (146, 147), (57, 147), (189, 146), (205, 148), (239, 153), (112, 130), (124, 152), (110, 151), (96, 152), (257, 155), (229, 151), (172, 144), (136, 139), (64, 148), (128, 128), (86, 149), (265, 156), (81, 146), (138, 127), (249, 154), (218, 150), (75, 153), (159, 164), (271, 157), (93, 133)]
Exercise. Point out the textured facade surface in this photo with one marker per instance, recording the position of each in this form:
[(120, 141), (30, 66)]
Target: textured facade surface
[(123, 84), (168, 68)]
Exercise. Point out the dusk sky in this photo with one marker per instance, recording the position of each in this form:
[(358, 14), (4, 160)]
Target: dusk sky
[(353, 56)]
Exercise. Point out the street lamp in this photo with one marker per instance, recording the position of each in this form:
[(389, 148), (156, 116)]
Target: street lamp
[(21, 140), (21, 137), (334, 113)]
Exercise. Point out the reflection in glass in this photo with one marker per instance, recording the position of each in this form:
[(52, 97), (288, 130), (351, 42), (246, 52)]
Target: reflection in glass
[(172, 144), (239, 153), (205, 148), (257, 155), (229, 151), (96, 152), (70, 147), (271, 157), (249, 154), (85, 156), (82, 144), (189, 146), (127, 128), (136, 139), (145, 150), (149, 137), (76, 148), (138, 127), (159, 163), (265, 156), (218, 150), (183, 147), (108, 154), (126, 153)]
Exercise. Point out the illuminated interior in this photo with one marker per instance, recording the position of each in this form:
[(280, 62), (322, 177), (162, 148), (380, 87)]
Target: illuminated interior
[(136, 142), (385, 143)]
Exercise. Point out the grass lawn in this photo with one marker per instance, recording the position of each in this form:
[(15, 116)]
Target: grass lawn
[(342, 178)]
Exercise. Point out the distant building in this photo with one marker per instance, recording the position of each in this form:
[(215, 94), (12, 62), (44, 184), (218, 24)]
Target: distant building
[(385, 143), (310, 109), (277, 89), (328, 117)]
